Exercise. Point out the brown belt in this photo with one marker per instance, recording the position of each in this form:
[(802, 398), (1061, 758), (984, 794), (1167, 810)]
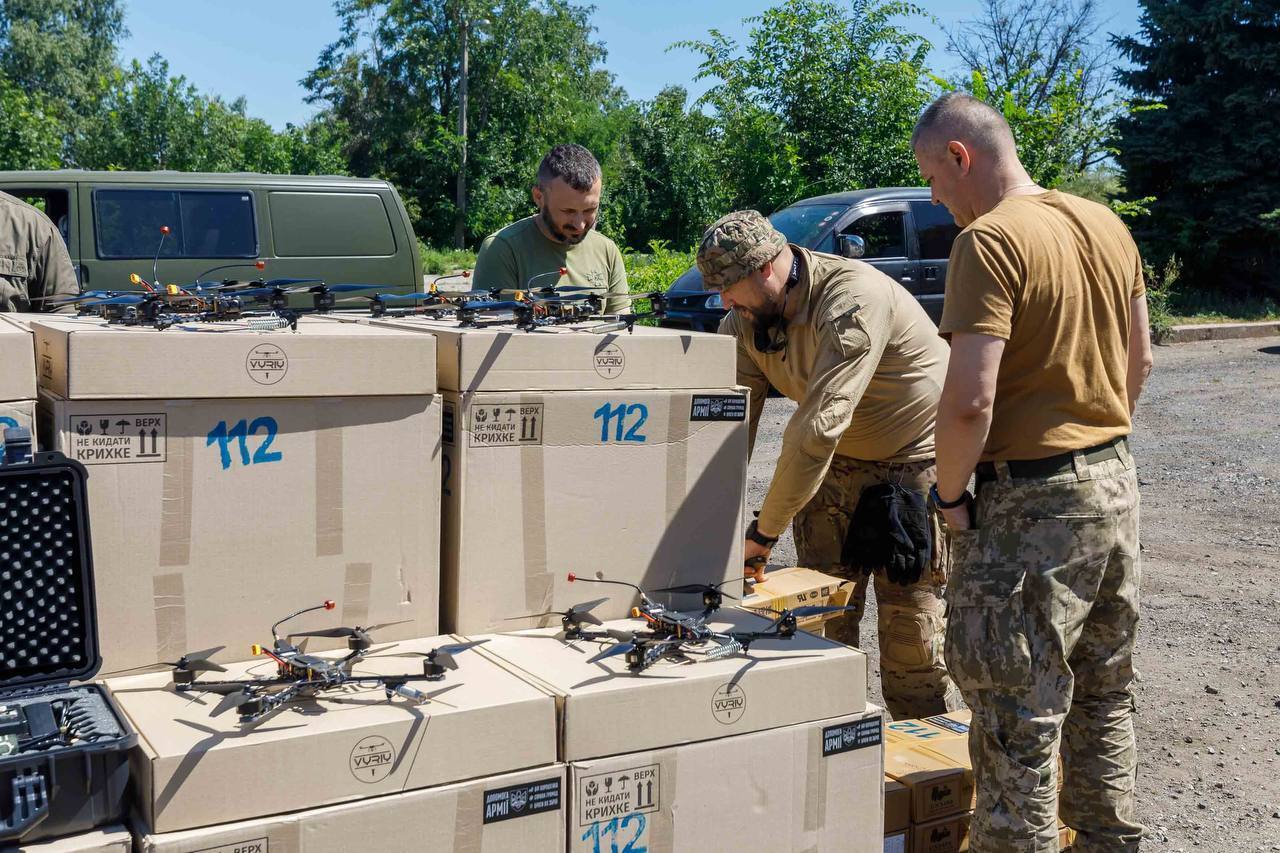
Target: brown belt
[(1050, 466)]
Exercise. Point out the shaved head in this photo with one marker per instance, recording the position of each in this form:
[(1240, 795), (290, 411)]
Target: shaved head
[(964, 118)]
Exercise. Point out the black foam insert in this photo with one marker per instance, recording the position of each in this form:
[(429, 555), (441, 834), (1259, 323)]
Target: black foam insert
[(45, 630)]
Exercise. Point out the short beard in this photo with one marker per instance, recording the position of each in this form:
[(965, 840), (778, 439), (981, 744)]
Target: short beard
[(556, 234)]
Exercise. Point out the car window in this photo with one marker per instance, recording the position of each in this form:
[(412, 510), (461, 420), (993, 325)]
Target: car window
[(884, 233), (329, 225), (202, 224), (935, 228), (803, 224)]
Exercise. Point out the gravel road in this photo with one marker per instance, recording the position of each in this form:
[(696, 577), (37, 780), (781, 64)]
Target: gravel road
[(1207, 442)]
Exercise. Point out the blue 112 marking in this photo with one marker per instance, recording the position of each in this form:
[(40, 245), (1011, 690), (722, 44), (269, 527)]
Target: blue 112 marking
[(222, 436), (7, 422), (620, 414), (595, 833)]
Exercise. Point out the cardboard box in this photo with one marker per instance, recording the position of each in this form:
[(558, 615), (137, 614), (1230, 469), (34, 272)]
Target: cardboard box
[(518, 811), (213, 518), (606, 710), (898, 842), (196, 768), (645, 486), (946, 835), (938, 786), (953, 724), (897, 804), (17, 378), (108, 839), (813, 786), (783, 589)]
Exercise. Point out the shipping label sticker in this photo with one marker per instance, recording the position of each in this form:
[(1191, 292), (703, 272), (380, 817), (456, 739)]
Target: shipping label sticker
[(944, 722), (506, 424), (523, 800), (252, 845), (607, 796), (718, 407), (118, 438), (846, 737)]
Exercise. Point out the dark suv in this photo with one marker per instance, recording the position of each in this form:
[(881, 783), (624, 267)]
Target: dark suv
[(897, 230)]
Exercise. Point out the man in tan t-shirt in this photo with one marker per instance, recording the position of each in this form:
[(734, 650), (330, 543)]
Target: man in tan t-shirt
[(1050, 346), (863, 361)]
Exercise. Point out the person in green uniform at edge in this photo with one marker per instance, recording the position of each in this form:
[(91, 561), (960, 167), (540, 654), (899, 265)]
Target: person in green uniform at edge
[(529, 253), (34, 264)]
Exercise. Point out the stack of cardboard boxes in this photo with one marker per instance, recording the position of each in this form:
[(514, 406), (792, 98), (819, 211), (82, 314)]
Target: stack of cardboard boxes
[(17, 379)]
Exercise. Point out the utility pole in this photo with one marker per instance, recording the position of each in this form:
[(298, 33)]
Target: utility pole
[(460, 221)]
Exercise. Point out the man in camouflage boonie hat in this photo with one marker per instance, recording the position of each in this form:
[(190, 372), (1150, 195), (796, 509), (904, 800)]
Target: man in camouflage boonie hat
[(864, 362)]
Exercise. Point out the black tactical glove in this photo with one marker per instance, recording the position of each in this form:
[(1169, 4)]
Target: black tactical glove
[(889, 530)]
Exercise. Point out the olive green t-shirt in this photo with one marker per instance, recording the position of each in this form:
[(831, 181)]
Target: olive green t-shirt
[(514, 255), (1053, 275)]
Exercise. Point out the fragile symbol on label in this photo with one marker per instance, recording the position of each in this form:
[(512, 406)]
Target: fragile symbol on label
[(252, 845), (718, 407), (506, 424), (372, 759), (728, 703), (266, 364), (609, 361), (846, 737), (603, 796), (111, 439), (522, 800)]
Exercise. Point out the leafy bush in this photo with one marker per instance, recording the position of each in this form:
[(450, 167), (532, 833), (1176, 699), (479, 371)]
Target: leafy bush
[(438, 261), (657, 269)]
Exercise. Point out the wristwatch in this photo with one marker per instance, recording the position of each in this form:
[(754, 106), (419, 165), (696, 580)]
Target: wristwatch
[(754, 534), (965, 498)]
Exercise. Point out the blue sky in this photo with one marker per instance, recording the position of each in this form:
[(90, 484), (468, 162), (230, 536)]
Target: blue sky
[(262, 49)]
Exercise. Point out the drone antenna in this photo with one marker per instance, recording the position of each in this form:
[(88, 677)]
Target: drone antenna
[(155, 263), (329, 604), (259, 265), (558, 273), (575, 577)]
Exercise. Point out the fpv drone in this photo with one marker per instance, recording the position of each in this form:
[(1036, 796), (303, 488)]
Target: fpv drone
[(670, 633), (301, 676)]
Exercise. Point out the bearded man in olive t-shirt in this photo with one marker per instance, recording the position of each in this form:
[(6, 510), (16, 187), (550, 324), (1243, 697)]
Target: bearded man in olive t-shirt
[(1050, 346), (529, 254)]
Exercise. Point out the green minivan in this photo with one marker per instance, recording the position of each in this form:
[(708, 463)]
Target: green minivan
[(333, 228)]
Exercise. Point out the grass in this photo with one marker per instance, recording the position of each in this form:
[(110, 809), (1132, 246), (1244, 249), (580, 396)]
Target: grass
[(1170, 304), (437, 261)]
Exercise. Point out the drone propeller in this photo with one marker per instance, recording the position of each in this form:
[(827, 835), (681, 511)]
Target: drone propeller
[(440, 658), (578, 613), (620, 648), (190, 662), (816, 610), (701, 588), (124, 299), (336, 288)]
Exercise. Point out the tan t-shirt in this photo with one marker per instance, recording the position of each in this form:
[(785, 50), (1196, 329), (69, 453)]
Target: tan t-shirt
[(864, 362), (517, 253), (1052, 274)]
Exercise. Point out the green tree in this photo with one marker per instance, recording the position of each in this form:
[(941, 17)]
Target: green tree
[(389, 86), (30, 131), (821, 98), (664, 182), (1202, 137)]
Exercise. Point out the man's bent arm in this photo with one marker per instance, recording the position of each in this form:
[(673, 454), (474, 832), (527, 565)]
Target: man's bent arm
[(964, 411), (1140, 359)]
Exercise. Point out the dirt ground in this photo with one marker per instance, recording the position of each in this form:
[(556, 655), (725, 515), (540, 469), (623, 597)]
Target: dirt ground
[(1207, 442)]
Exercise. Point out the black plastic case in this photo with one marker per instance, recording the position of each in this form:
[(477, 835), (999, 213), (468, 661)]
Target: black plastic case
[(49, 638)]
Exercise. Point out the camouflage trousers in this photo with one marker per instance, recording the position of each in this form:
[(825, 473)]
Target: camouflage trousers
[(909, 619), (1042, 612)]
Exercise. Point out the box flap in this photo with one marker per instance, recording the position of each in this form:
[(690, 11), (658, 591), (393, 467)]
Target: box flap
[(17, 361), (608, 710), (108, 839), (208, 768), (87, 358), (570, 358)]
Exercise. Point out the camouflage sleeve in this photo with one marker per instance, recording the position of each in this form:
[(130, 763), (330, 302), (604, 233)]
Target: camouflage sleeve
[(495, 265), (749, 375), (618, 287), (52, 273), (853, 337)]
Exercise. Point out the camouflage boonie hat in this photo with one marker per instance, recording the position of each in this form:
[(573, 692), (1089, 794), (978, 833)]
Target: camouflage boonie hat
[(736, 244)]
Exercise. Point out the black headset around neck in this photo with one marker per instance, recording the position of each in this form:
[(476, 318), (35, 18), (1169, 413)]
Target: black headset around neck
[(772, 337)]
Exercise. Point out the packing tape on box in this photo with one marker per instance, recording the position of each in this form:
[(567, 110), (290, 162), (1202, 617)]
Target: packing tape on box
[(815, 782), (357, 584), (677, 453), (329, 491), (169, 603), (663, 820), (468, 819), (175, 502), (538, 582)]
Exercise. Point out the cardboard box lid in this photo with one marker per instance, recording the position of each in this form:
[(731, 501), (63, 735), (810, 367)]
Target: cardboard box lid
[(198, 768), (897, 805), (951, 725), (606, 710), (17, 362), (465, 817), (108, 839), (568, 358), (946, 835), (83, 358), (939, 786)]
